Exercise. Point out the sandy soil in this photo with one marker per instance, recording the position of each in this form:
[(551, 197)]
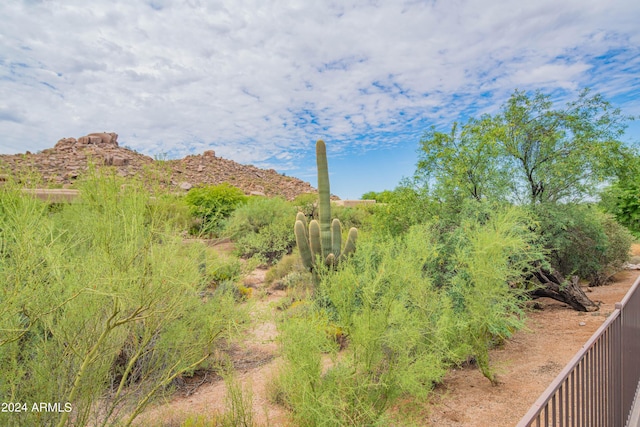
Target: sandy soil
[(526, 365)]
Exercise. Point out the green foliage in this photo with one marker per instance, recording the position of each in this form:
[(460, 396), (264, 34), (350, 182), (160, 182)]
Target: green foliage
[(287, 265), (399, 329), (262, 228), (307, 203), (562, 154), (238, 412), (408, 204), (583, 241), (220, 269), (491, 260), (171, 210), (211, 205), (380, 197), (351, 217), (101, 305), (529, 152), (622, 198), (464, 162)]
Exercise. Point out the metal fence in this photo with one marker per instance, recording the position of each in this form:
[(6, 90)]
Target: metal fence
[(598, 386)]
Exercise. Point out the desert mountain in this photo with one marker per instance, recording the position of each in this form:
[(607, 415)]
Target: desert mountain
[(70, 157)]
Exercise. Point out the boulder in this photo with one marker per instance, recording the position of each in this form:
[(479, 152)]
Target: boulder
[(103, 138)]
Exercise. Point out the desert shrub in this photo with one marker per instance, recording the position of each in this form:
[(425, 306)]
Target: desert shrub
[(211, 205), (407, 205), (491, 262), (351, 216), (101, 304), (394, 323), (307, 203), (170, 210), (287, 265), (583, 241), (263, 228), (239, 411), (222, 269), (622, 200), (399, 329), (384, 196)]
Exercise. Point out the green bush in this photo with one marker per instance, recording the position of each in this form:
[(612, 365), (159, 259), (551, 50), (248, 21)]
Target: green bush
[(622, 200), (491, 261), (170, 210), (287, 265), (307, 203), (583, 241), (211, 205), (351, 216), (263, 228), (221, 269), (101, 305), (399, 329), (405, 206), (385, 196)]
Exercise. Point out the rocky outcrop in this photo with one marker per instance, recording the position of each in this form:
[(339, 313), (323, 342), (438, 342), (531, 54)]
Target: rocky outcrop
[(70, 158), (206, 168)]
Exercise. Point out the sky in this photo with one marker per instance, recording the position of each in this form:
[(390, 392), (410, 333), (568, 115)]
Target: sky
[(260, 81)]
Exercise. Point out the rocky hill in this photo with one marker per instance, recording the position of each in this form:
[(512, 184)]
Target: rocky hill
[(61, 165)]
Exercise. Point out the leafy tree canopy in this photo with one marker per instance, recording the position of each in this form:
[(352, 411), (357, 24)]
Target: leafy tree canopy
[(529, 152)]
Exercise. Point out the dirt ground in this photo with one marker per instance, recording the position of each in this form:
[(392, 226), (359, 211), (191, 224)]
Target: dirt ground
[(526, 365)]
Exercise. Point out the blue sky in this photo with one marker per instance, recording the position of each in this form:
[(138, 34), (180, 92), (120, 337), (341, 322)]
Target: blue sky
[(259, 81)]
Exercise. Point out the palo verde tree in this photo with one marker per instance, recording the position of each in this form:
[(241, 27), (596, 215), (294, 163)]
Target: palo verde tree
[(532, 153)]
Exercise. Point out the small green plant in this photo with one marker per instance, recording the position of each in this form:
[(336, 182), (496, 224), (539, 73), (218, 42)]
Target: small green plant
[(211, 205), (262, 229), (322, 239), (170, 210), (221, 268), (287, 265), (238, 412)]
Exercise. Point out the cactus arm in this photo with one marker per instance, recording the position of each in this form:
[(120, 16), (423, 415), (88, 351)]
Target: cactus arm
[(336, 237), (303, 244), (330, 261), (314, 239), (301, 217), (350, 246), (324, 202)]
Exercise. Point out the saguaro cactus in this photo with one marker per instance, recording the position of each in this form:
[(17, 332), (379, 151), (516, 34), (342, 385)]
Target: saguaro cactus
[(322, 239)]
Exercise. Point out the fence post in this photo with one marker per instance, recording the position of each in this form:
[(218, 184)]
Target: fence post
[(619, 374)]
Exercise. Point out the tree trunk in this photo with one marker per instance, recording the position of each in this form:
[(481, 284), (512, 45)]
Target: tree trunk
[(567, 291)]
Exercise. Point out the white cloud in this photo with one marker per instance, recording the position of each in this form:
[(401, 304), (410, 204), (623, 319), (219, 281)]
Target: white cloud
[(260, 81)]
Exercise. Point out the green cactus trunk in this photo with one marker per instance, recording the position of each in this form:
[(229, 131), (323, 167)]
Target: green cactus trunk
[(322, 239), (324, 202)]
